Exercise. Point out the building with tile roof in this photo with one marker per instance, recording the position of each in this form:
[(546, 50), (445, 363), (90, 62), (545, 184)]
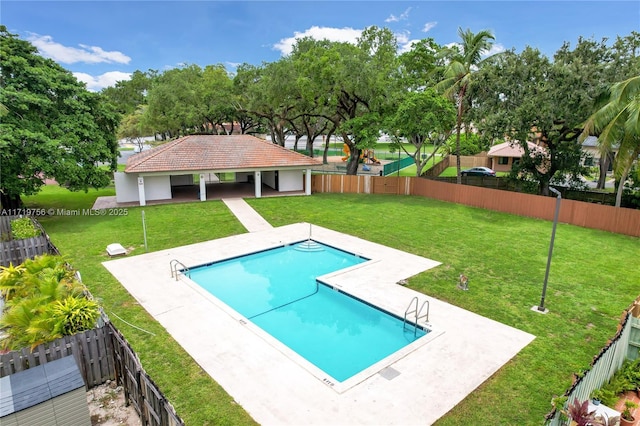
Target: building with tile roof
[(504, 155), (209, 160)]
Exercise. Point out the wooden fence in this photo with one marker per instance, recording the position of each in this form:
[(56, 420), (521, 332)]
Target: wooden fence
[(596, 216), (439, 167), (624, 345), (140, 390), (17, 251), (92, 350), (102, 354)]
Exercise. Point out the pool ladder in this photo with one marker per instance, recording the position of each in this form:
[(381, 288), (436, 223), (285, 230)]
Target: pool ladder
[(418, 314), (174, 269)]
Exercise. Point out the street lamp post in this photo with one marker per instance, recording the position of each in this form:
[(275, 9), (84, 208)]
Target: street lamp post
[(541, 307)]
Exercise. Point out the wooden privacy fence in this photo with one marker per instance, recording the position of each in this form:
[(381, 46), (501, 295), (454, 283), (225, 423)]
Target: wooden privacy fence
[(140, 390), (623, 346), (91, 349), (17, 251), (596, 216), (102, 354), (439, 167)]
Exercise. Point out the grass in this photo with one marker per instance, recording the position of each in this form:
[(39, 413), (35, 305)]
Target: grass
[(453, 172), (593, 278)]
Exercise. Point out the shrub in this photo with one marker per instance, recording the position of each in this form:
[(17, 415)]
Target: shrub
[(23, 228), (470, 144), (44, 302)]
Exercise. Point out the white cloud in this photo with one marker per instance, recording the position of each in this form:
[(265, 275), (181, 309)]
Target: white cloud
[(428, 26), (97, 83), (496, 48), (403, 16), (402, 37), (407, 45), (350, 35), (71, 55)]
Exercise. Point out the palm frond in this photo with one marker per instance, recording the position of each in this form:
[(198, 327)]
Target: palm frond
[(474, 45), (632, 110), (626, 90)]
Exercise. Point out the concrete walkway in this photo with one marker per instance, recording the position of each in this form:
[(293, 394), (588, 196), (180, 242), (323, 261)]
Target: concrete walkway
[(249, 218)]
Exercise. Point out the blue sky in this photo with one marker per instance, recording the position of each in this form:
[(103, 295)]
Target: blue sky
[(104, 41)]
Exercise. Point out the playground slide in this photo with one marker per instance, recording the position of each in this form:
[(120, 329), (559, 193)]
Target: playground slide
[(364, 155)]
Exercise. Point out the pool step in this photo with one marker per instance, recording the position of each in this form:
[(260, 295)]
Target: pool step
[(309, 245)]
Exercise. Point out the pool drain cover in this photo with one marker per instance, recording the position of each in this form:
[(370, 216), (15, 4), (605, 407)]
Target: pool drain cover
[(389, 373)]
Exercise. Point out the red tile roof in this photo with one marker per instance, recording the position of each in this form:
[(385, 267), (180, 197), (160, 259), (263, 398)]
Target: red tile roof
[(514, 150), (217, 152)]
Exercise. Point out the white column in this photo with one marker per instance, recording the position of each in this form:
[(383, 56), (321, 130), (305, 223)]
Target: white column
[(307, 185), (143, 201), (203, 188), (258, 183)]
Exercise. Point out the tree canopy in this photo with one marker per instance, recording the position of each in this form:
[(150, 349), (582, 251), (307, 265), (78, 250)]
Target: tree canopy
[(52, 127), (463, 60), (526, 97), (323, 88), (618, 124)]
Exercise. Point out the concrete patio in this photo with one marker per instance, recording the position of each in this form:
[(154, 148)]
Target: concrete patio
[(276, 386)]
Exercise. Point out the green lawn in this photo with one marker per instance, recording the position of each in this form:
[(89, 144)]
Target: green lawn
[(593, 278), (453, 172)]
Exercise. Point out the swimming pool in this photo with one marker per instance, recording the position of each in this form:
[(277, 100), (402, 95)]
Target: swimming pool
[(279, 290)]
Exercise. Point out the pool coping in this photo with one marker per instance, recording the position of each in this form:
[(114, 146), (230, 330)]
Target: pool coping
[(336, 385), (416, 388)]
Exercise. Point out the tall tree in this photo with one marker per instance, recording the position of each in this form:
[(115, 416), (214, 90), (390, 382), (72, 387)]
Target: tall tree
[(618, 123), (349, 84), (128, 95), (52, 128), (246, 76), (271, 96), (175, 103), (134, 128), (517, 99), (421, 118), (463, 59), (596, 65), (217, 99)]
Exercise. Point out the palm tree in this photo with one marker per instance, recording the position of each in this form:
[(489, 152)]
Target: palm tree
[(618, 123), (463, 61)]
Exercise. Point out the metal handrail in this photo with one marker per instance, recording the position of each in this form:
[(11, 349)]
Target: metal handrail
[(173, 264), (417, 312), (407, 312), (418, 316)]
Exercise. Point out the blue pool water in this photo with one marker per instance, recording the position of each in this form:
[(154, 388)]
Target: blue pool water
[(278, 291)]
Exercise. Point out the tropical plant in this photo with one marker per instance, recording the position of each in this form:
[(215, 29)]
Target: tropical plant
[(628, 406), (458, 74), (74, 314), (10, 280), (618, 123), (44, 302), (579, 413), (23, 228)]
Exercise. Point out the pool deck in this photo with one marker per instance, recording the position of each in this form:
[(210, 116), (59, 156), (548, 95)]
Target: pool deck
[(273, 385)]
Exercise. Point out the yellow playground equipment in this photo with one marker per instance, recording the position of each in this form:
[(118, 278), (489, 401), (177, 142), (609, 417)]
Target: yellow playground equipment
[(366, 155)]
